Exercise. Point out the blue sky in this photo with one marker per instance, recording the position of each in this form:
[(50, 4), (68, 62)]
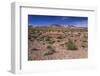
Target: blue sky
[(44, 20)]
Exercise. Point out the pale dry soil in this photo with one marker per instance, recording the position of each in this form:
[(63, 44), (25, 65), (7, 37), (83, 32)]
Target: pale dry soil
[(52, 44), (61, 52)]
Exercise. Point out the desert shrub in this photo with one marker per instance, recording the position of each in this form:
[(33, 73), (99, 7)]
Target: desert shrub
[(85, 36), (79, 33), (58, 40), (61, 44), (34, 36), (48, 38), (63, 32), (84, 40), (41, 38), (51, 42), (35, 49), (59, 37), (50, 48), (33, 32), (50, 51), (75, 40), (66, 43), (72, 36), (71, 45), (39, 33), (84, 45), (43, 43), (30, 38)]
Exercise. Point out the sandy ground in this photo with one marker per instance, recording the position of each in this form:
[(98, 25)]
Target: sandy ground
[(38, 47), (61, 53)]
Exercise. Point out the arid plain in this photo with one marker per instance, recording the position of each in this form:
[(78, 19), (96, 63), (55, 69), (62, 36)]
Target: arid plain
[(55, 42)]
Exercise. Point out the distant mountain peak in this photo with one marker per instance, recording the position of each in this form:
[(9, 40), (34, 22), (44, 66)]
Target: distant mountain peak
[(61, 25), (53, 25), (56, 25), (71, 26)]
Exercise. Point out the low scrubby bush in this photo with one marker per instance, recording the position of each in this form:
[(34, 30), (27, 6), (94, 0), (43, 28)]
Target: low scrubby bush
[(50, 51), (71, 45)]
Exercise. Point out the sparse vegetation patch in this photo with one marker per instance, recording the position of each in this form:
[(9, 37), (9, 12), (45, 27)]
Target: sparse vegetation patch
[(71, 45)]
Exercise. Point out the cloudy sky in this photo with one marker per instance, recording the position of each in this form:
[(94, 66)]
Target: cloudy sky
[(44, 20)]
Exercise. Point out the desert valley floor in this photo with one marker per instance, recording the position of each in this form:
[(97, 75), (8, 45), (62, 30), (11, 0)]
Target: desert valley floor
[(57, 42)]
